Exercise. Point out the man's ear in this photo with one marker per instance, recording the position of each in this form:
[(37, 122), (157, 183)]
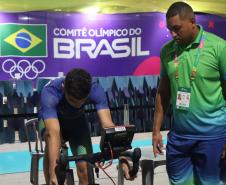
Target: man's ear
[(193, 22)]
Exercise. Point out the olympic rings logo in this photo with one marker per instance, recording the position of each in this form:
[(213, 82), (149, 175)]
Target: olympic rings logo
[(30, 70)]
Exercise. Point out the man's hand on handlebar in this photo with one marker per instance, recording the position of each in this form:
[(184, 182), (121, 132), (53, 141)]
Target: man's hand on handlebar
[(126, 169), (53, 180)]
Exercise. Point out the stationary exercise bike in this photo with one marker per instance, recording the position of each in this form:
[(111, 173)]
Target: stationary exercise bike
[(115, 142)]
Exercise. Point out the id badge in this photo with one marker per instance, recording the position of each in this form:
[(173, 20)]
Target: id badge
[(183, 98)]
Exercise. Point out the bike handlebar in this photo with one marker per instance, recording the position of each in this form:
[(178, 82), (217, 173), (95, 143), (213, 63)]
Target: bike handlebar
[(135, 157), (101, 157), (90, 158)]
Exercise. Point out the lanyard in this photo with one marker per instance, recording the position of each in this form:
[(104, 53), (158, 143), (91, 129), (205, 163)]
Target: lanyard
[(195, 63)]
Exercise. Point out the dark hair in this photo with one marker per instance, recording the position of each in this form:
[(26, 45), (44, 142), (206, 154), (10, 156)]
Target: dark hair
[(78, 83), (182, 9)]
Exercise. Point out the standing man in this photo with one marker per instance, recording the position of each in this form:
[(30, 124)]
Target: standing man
[(193, 80), (62, 111)]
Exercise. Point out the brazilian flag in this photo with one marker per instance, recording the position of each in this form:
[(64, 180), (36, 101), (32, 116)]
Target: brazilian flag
[(23, 40)]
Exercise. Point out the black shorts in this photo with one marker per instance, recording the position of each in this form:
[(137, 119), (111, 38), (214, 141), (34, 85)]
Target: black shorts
[(76, 131)]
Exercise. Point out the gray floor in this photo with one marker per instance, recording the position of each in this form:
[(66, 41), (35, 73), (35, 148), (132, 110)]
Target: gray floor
[(23, 178), (160, 177)]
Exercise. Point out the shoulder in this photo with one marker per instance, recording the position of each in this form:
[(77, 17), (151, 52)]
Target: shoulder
[(56, 82), (53, 89), (215, 44), (97, 96), (214, 40), (96, 88), (97, 93)]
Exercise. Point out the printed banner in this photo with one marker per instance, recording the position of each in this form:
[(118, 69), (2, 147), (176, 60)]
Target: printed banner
[(43, 44)]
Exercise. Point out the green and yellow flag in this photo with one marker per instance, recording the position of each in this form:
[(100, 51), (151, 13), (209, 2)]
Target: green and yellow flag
[(23, 40)]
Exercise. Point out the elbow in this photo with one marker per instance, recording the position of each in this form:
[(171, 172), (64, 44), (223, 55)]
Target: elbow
[(52, 134)]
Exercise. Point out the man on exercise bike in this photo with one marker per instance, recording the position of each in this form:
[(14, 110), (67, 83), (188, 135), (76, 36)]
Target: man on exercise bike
[(62, 101)]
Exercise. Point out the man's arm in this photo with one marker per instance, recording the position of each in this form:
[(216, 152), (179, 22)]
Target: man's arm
[(222, 68), (53, 146), (224, 89), (161, 105), (105, 118), (98, 97), (222, 62)]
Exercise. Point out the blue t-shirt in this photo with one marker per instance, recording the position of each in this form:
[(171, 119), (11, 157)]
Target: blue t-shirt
[(53, 102)]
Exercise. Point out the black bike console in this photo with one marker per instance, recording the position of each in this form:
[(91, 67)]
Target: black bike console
[(116, 139)]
